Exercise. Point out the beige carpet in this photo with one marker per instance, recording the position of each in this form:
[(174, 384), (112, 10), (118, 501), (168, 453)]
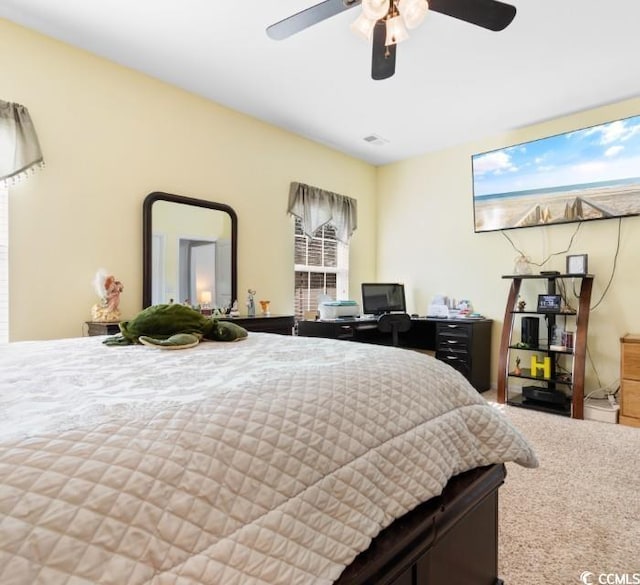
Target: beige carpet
[(579, 511)]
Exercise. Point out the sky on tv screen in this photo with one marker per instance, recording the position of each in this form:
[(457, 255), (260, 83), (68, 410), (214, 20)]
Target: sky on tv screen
[(605, 153)]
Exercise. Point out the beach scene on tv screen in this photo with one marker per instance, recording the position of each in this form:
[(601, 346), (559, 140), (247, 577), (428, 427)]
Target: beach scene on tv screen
[(592, 173)]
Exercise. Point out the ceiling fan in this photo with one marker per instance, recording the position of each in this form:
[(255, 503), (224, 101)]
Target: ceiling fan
[(384, 22)]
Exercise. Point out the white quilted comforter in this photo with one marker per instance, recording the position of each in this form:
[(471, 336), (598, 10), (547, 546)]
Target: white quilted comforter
[(272, 460)]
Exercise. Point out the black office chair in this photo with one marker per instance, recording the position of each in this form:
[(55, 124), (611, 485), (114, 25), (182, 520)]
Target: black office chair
[(394, 323)]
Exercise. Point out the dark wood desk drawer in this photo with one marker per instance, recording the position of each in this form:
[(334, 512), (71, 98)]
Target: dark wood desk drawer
[(353, 329), (467, 348), (460, 360), (446, 342), (453, 335), (337, 331)]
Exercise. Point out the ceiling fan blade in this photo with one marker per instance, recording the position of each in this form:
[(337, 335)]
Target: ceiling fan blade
[(383, 58), (308, 17), (489, 14)]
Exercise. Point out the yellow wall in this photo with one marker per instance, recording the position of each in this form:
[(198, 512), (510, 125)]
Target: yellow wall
[(426, 240), (110, 136)]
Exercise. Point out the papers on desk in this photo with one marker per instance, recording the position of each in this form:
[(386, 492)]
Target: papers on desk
[(440, 311)]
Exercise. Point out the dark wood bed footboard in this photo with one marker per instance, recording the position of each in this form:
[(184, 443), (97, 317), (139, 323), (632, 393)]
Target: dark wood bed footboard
[(450, 540)]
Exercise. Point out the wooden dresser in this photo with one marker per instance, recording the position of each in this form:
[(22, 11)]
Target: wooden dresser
[(102, 327), (281, 324), (630, 380)]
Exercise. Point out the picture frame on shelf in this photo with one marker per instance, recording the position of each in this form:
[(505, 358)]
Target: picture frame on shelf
[(549, 303), (577, 264)]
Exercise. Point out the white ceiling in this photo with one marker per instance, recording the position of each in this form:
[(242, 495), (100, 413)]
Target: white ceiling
[(454, 82)]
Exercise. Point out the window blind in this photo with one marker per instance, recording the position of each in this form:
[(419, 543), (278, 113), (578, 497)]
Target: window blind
[(321, 267)]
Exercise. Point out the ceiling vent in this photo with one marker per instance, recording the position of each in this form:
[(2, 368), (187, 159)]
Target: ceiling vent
[(375, 139)]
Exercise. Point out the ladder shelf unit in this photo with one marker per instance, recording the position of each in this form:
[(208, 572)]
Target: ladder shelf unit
[(571, 384)]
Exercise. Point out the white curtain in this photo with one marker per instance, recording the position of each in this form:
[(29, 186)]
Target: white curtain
[(19, 155), (19, 147), (316, 207), (4, 265)]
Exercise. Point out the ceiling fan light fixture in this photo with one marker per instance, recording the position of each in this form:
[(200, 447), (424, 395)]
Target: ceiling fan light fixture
[(363, 26), (375, 9), (413, 11), (396, 31)]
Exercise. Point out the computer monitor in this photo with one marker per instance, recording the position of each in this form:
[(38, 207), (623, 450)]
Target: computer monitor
[(380, 298)]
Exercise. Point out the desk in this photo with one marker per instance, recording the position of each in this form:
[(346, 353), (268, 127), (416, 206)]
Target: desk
[(465, 344), (281, 324)]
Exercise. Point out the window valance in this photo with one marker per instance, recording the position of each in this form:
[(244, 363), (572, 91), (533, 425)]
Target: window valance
[(19, 147), (316, 207)]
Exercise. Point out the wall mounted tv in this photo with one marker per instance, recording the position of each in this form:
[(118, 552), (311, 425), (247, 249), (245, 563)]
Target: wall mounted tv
[(593, 173)]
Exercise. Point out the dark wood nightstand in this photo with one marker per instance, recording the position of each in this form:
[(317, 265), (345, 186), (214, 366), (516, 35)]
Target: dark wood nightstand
[(282, 324), (102, 328)]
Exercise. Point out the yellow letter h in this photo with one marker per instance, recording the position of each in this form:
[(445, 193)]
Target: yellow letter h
[(544, 365)]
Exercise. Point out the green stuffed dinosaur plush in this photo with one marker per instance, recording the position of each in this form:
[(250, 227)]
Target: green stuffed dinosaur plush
[(174, 327)]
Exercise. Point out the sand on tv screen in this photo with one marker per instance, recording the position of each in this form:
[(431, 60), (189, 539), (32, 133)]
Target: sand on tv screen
[(593, 173)]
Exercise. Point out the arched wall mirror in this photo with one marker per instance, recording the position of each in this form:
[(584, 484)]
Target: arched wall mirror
[(189, 251)]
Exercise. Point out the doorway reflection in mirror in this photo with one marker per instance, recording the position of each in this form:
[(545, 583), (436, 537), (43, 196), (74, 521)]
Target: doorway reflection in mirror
[(191, 254)]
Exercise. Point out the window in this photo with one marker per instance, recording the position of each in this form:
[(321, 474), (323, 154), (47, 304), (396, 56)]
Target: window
[(4, 265), (321, 268)]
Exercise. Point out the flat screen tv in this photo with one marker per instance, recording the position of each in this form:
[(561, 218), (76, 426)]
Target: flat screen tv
[(593, 173), (380, 298)]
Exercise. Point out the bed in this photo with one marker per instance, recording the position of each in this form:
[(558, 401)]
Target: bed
[(275, 459)]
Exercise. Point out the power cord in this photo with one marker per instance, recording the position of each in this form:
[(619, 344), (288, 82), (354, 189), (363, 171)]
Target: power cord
[(613, 270), (607, 393), (575, 233), (593, 366), (565, 297)]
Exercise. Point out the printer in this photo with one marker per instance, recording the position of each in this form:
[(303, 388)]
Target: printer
[(338, 309)]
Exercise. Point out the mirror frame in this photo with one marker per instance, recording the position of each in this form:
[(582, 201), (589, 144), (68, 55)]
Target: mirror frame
[(147, 232)]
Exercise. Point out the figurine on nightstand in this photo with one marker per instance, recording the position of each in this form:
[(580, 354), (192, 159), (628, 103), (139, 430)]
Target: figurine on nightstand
[(109, 290), (521, 304), (517, 371), (233, 311), (251, 303)]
